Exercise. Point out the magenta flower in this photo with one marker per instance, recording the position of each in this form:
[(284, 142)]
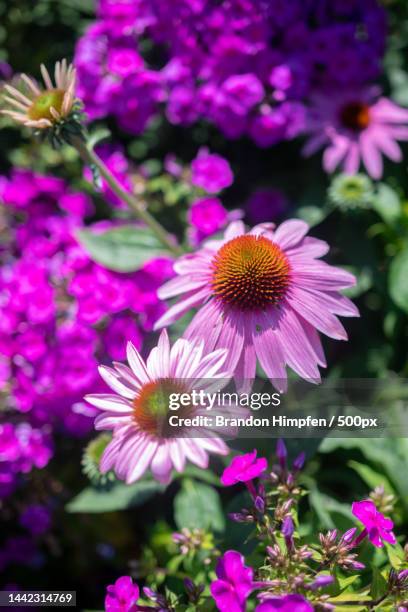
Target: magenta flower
[(378, 528), (263, 294), (287, 603), (234, 584), (138, 413), (355, 127), (211, 172), (122, 596), (243, 469), (207, 215)]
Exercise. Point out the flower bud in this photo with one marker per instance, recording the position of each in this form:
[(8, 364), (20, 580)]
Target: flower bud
[(321, 582), (281, 453)]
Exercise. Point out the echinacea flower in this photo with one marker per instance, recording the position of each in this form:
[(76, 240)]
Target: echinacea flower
[(287, 603), (263, 294), (354, 127), (378, 528), (122, 596), (234, 582), (243, 469), (138, 413), (42, 107), (351, 192)]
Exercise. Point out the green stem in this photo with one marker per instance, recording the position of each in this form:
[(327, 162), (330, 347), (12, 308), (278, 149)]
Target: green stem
[(89, 157)]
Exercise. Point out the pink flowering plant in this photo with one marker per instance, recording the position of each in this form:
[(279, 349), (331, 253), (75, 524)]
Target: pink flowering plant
[(284, 567), (206, 197)]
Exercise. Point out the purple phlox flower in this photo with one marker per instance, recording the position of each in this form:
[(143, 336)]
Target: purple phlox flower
[(122, 596), (234, 583), (211, 172), (378, 528), (244, 468)]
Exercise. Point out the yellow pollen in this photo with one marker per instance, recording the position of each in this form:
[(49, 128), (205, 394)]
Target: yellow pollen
[(250, 273), (42, 104)]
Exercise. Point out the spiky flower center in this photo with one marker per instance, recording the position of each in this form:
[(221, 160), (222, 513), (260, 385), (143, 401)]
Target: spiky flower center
[(151, 406), (42, 104), (250, 273), (355, 116)]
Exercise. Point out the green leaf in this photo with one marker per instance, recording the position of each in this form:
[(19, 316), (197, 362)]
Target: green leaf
[(378, 585), (364, 282), (122, 249), (387, 203), (192, 471), (198, 505), (372, 478), (118, 497), (313, 215), (327, 508), (395, 554), (398, 276)]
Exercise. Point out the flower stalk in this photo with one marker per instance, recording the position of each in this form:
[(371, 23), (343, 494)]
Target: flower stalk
[(91, 158)]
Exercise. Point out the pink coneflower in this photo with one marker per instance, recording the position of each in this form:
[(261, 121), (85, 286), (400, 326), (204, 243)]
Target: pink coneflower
[(355, 127), (41, 108), (138, 414), (262, 294)]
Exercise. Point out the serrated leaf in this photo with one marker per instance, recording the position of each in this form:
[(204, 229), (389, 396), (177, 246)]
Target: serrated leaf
[(122, 249), (118, 497), (198, 505), (398, 276)]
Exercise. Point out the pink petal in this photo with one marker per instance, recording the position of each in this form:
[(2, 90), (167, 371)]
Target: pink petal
[(161, 465), (112, 380), (141, 461), (137, 364), (176, 311), (386, 111), (269, 351), (232, 338), (371, 156), (236, 228), (207, 324), (111, 403), (108, 420), (177, 455), (295, 345), (334, 154), (290, 233), (352, 161), (180, 284), (310, 309)]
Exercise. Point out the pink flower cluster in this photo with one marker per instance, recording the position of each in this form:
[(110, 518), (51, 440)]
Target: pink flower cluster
[(60, 313), (246, 66), (21, 448)]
